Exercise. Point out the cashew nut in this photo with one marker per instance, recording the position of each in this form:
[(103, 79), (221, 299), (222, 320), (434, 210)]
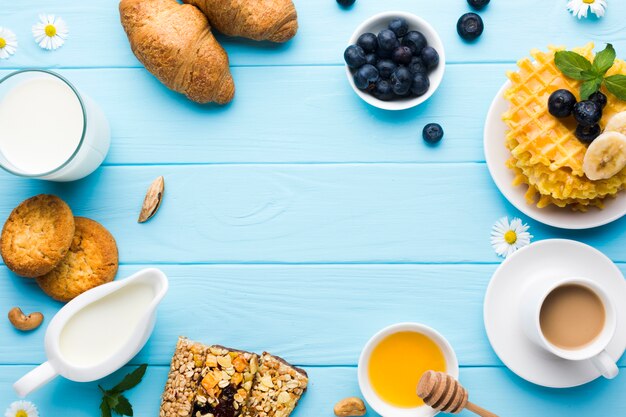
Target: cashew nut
[(349, 407), (24, 322)]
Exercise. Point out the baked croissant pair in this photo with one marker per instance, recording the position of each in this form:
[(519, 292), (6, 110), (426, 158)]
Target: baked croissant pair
[(174, 41)]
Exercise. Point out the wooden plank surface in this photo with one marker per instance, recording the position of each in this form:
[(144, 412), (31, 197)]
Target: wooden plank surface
[(298, 219), (312, 314), (511, 29), (494, 388)]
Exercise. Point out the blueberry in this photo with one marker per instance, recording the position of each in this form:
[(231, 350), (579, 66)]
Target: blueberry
[(383, 90), (599, 98), (371, 59), (588, 134), (401, 81), (432, 133), (430, 57), (346, 3), (417, 66), (420, 84), (470, 26), (402, 55), (387, 40), (478, 4), (354, 56), (561, 103), (399, 26), (416, 41), (368, 41), (386, 67), (365, 77), (587, 113), (383, 54)]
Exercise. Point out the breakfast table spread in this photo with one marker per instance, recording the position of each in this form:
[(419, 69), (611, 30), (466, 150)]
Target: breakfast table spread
[(313, 202)]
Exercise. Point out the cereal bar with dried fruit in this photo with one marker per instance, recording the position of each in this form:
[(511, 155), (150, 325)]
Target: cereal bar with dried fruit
[(183, 378), (277, 388), (226, 381)]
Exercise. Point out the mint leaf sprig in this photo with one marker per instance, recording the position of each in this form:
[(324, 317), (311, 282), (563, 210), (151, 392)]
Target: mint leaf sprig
[(114, 401), (593, 75)]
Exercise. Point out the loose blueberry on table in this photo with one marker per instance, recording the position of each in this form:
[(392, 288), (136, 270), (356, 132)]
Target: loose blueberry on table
[(393, 64), (478, 4), (432, 133), (345, 3), (470, 26)]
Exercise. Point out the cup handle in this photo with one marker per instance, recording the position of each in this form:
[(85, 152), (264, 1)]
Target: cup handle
[(605, 364), (39, 376)]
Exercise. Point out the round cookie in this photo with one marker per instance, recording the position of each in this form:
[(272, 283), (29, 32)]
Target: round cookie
[(37, 235), (91, 261)]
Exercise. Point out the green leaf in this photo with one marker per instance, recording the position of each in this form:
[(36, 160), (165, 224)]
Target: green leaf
[(604, 60), (616, 84), (111, 400), (123, 407), (572, 64), (131, 380), (590, 87), (588, 75), (105, 411)]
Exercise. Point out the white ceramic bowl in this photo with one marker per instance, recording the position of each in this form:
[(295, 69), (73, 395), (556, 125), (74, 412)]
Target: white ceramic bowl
[(379, 22), (383, 408)]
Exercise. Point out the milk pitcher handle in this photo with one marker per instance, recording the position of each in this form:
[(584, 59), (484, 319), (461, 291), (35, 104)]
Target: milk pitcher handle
[(605, 364), (39, 376)]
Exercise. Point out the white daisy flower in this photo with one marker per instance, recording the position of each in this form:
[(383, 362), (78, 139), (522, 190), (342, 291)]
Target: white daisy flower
[(51, 31), (8, 43), (21, 409), (507, 237), (580, 8)]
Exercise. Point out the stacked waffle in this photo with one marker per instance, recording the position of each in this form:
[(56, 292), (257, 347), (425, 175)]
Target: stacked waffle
[(545, 153), (214, 381)]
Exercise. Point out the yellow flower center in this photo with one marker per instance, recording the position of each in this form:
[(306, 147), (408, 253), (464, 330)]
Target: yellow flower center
[(510, 237), (50, 30), (589, 1), (3, 43), (21, 413)]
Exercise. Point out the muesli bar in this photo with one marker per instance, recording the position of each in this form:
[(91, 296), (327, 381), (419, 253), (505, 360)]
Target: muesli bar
[(183, 378), (226, 381), (278, 386)]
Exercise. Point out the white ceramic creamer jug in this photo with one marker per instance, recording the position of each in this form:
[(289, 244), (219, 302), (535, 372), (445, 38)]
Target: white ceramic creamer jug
[(99, 331)]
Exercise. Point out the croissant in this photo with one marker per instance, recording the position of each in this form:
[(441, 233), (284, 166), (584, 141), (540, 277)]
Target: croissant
[(273, 20), (174, 42)]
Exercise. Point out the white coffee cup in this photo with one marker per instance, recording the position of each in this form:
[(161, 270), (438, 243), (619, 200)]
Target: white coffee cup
[(595, 351)]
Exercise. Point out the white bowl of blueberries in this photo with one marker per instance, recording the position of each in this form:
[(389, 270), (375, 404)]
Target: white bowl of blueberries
[(395, 60)]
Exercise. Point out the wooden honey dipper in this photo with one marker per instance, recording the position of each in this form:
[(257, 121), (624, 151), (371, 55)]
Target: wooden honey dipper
[(444, 393)]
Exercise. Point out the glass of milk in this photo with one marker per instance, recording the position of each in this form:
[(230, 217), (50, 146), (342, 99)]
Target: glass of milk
[(48, 130)]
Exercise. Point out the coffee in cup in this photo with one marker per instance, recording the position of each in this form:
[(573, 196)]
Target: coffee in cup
[(572, 316)]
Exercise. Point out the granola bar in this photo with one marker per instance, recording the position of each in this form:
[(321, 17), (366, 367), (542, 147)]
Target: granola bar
[(277, 388), (227, 379), (183, 378)]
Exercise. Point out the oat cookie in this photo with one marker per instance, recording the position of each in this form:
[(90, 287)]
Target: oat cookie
[(91, 261), (37, 235)]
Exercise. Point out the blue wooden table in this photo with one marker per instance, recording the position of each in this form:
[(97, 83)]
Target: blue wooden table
[(298, 219)]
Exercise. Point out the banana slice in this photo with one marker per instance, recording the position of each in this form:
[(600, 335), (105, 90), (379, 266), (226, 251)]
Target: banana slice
[(617, 123), (606, 156)]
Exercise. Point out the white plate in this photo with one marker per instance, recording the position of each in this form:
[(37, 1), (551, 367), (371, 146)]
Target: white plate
[(496, 155), (548, 258)]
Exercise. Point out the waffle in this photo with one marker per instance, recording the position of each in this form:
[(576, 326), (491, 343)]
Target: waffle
[(545, 154)]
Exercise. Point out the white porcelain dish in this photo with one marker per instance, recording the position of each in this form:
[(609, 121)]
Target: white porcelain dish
[(496, 155), (58, 364), (547, 260), (379, 22), (383, 408)]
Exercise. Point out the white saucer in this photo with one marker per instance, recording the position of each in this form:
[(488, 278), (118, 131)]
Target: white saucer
[(496, 155), (547, 258)]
